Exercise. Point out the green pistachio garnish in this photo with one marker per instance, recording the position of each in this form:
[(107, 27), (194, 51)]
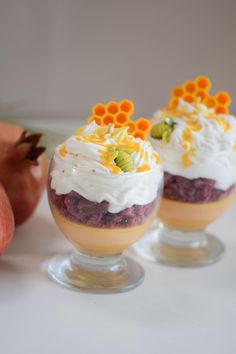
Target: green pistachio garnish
[(121, 157), (159, 129), (124, 161), (163, 130), (166, 136)]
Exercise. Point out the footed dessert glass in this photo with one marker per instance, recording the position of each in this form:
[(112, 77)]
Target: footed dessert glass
[(186, 209), (104, 187), (100, 237), (197, 144)]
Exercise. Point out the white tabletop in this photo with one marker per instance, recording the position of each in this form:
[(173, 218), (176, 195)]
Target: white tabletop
[(174, 311)]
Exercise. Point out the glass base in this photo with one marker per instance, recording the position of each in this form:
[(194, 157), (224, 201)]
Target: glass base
[(96, 274), (178, 248)]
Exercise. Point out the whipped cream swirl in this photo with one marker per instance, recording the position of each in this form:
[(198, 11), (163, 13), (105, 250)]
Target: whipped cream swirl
[(79, 165), (207, 139)]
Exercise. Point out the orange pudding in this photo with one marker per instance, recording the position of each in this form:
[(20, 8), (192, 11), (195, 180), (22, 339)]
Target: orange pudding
[(99, 241), (192, 216)]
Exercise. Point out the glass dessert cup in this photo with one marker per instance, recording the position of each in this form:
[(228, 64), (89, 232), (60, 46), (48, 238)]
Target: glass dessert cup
[(195, 137), (99, 237), (180, 237)]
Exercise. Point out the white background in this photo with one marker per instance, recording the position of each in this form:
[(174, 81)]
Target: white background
[(59, 57)]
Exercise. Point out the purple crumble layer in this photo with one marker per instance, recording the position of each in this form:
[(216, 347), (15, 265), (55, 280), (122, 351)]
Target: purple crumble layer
[(198, 190), (76, 208)]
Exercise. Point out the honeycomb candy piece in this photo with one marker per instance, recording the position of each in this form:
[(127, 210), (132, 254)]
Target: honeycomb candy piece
[(221, 110), (223, 98), (177, 92), (121, 118), (190, 91), (113, 107), (143, 124), (127, 106), (119, 113), (203, 83), (99, 110), (189, 87), (108, 119), (197, 91)]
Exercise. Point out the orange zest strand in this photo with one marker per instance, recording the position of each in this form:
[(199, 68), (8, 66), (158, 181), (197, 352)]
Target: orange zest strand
[(143, 168), (115, 169), (186, 160), (63, 151), (187, 135)]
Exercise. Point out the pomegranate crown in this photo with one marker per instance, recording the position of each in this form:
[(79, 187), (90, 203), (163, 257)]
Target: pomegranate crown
[(28, 147)]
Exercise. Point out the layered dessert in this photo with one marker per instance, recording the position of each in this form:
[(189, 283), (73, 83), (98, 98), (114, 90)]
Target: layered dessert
[(196, 137), (104, 186)]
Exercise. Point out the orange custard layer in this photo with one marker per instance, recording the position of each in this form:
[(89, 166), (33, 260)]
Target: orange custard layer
[(192, 216), (100, 241)]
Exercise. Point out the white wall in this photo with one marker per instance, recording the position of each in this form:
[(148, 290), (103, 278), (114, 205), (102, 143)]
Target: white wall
[(59, 57)]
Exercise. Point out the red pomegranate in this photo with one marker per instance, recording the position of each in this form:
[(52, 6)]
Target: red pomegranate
[(7, 225), (23, 169)]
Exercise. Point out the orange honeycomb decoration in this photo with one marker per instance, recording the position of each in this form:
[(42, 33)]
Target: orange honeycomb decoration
[(119, 114), (198, 90)]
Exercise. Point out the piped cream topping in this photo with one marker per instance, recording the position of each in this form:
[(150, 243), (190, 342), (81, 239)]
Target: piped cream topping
[(202, 143), (96, 144), (86, 163)]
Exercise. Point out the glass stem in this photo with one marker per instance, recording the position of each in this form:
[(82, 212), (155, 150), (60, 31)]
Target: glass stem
[(99, 264), (183, 239)]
